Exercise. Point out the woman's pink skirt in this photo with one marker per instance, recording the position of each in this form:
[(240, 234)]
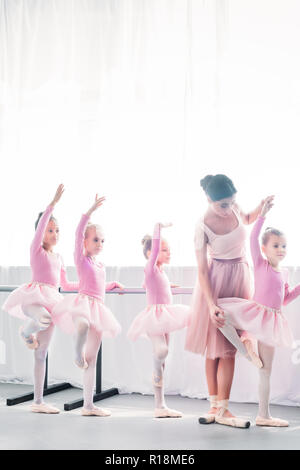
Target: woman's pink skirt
[(159, 319), (266, 324), (228, 278), (81, 305), (35, 293)]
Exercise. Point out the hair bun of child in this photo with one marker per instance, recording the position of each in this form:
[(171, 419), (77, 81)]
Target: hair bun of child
[(205, 181)]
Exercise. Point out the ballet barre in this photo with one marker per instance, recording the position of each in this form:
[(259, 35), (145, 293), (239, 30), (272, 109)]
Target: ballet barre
[(99, 395)]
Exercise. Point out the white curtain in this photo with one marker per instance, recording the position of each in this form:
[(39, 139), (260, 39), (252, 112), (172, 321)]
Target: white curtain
[(128, 365), (137, 100)]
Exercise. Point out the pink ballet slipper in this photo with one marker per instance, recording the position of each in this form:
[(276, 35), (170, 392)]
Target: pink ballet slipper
[(166, 413), (95, 412), (255, 359), (44, 408), (276, 422), (209, 418), (30, 341), (229, 421), (81, 366)]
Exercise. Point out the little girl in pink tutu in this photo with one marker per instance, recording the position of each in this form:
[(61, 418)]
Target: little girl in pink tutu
[(35, 301), (262, 316), (84, 314), (160, 317)]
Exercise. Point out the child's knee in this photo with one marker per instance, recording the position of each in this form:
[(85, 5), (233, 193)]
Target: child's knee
[(161, 353)]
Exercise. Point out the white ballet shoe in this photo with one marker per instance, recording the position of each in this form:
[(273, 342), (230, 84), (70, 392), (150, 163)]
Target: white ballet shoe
[(252, 356), (44, 408), (235, 422), (30, 341), (166, 413), (95, 412), (276, 422), (81, 366)]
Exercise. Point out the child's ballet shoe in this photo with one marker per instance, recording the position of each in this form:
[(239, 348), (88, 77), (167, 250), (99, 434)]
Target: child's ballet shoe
[(30, 341), (157, 380), (235, 422), (276, 422), (44, 408), (95, 412), (252, 356), (166, 413), (207, 418), (81, 366)]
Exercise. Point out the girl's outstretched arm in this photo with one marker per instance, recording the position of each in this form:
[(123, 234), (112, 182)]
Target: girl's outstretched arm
[(65, 283), (79, 238), (290, 295), (155, 245), (80, 231), (254, 237), (42, 225)]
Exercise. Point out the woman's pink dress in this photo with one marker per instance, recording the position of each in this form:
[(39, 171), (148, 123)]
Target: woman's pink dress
[(160, 316), (262, 317), (48, 273), (229, 277)]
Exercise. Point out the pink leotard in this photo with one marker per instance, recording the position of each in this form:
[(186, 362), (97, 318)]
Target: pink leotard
[(271, 287), (91, 273), (158, 289), (47, 267)]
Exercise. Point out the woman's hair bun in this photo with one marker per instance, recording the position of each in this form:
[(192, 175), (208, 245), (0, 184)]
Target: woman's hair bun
[(205, 181)]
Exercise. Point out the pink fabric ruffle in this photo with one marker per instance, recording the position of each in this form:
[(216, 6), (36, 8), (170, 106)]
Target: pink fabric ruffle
[(31, 294), (228, 278), (98, 315), (156, 320), (266, 324)]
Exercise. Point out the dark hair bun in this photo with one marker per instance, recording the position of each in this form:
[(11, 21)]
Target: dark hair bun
[(205, 181), (218, 187)]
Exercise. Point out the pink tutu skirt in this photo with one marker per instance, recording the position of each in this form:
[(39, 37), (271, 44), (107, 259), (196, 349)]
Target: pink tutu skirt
[(36, 293), (228, 278), (266, 324), (159, 319), (81, 305)]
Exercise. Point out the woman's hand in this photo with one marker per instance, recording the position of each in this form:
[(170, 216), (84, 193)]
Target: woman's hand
[(267, 205), (217, 316), (98, 202), (58, 195)]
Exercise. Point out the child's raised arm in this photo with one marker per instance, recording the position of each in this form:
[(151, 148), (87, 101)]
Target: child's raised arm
[(42, 225), (254, 237), (155, 246)]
